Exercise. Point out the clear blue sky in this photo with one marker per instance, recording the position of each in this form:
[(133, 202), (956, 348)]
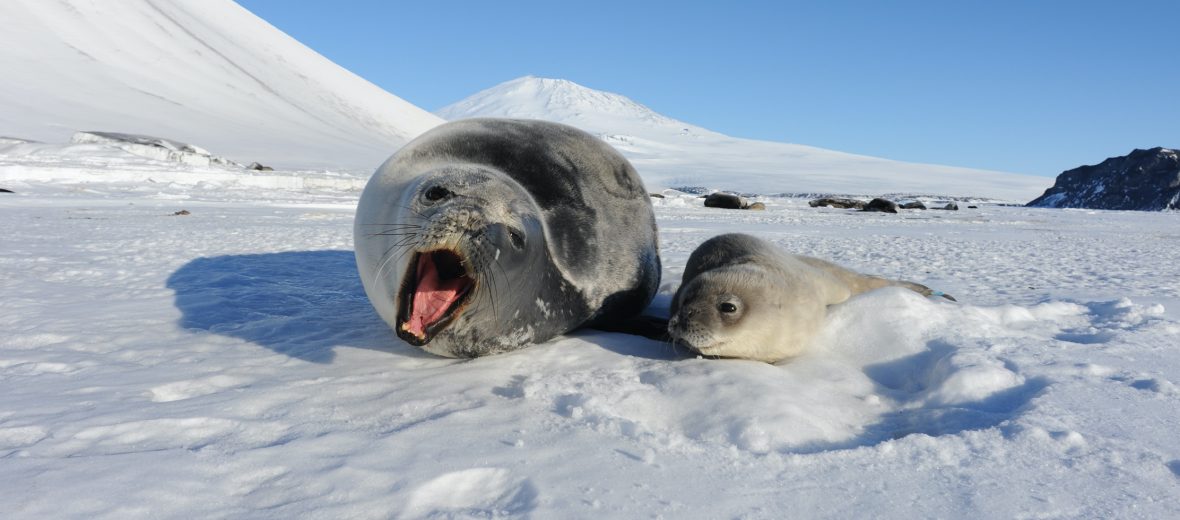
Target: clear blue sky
[(1020, 86)]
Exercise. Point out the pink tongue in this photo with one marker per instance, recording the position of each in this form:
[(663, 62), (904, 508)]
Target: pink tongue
[(432, 298)]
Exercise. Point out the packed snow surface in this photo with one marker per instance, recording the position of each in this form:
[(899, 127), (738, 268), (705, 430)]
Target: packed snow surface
[(671, 153), (225, 363), (206, 72)]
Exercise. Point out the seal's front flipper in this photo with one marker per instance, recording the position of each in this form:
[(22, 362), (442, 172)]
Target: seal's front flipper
[(923, 290), (650, 327), (944, 295)]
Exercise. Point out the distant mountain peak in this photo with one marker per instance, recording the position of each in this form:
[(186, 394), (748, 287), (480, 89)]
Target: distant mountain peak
[(532, 97)]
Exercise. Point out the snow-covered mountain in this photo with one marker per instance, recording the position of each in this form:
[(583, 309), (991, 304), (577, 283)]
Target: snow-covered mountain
[(568, 102), (206, 72), (671, 153)]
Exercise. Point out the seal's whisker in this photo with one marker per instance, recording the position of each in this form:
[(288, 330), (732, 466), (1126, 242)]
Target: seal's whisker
[(412, 210), (496, 263), (389, 223), (491, 275), (489, 295), (400, 244), (392, 232), (396, 226), (385, 257), (672, 341), (476, 243)]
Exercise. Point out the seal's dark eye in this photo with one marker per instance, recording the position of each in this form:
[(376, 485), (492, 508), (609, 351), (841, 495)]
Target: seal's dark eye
[(727, 308), (436, 193), (517, 238)]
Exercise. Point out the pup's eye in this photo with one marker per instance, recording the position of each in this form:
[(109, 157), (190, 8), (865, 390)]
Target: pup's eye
[(436, 193), (727, 308)]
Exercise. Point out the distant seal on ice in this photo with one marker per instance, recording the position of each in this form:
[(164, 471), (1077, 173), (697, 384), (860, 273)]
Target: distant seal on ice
[(881, 205), (742, 297), (486, 235), (724, 201)]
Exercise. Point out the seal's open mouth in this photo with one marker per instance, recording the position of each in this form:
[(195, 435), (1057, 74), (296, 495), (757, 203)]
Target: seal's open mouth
[(433, 292)]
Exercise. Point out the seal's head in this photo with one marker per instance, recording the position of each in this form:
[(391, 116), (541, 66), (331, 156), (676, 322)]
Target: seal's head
[(487, 235), (460, 234), (740, 311)]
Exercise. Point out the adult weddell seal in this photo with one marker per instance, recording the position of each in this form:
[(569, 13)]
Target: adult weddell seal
[(486, 235), (742, 297)]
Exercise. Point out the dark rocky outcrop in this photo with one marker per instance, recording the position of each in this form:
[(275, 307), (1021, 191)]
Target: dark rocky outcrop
[(913, 205), (6, 190), (724, 201), (837, 203), (1145, 180), (882, 205), (259, 167), (950, 206), (656, 195)]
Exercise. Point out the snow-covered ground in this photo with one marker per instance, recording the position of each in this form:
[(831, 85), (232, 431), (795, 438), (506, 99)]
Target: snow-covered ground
[(225, 363)]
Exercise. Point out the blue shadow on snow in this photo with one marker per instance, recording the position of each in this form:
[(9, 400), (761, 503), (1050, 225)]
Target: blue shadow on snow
[(302, 303)]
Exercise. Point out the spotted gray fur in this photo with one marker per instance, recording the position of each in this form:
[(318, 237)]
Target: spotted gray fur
[(579, 210)]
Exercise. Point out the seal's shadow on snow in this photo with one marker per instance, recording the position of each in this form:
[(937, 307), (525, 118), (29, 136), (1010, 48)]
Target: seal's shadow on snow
[(302, 304)]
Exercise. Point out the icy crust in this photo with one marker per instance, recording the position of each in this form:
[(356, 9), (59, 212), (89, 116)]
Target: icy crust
[(226, 363)]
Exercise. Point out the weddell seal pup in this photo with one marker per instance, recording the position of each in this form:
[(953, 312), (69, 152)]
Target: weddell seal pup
[(486, 235), (742, 297)]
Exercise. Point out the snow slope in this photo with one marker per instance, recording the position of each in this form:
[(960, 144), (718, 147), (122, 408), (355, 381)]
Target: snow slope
[(206, 72), (671, 153), (226, 364)]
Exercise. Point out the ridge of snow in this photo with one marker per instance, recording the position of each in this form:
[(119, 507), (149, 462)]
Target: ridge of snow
[(672, 153), (207, 72)]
